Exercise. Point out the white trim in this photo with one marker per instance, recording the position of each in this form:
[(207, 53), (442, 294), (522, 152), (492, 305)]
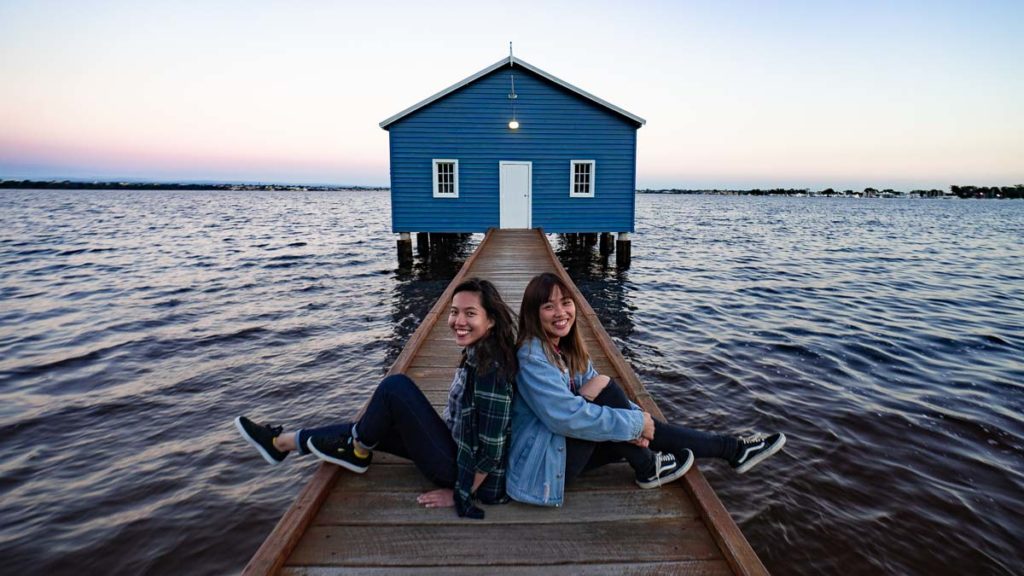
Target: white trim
[(455, 177), (510, 61), (529, 189), (592, 182)]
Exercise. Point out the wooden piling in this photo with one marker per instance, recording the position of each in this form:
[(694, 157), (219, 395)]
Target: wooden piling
[(404, 247), (423, 243), (623, 251)]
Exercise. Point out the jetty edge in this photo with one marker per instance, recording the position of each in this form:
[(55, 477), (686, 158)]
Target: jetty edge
[(342, 523)]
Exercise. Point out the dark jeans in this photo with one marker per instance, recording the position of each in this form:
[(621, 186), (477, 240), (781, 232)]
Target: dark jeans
[(400, 420), (583, 455)]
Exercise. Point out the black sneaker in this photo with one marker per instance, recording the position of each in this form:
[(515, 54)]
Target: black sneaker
[(667, 467), (755, 449), (340, 451), (261, 437)]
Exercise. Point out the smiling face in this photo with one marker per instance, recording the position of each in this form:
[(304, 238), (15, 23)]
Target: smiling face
[(468, 319), (557, 315)]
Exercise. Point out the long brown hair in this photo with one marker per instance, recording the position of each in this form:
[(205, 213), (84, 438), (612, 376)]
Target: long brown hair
[(537, 293), (499, 344)]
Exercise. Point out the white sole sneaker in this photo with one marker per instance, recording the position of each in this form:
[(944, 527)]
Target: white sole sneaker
[(343, 463), (763, 455), (676, 474), (252, 442)]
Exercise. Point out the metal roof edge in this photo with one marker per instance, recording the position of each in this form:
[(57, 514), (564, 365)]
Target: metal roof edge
[(500, 63)]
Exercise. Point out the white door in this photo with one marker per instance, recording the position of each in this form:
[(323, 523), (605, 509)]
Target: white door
[(515, 190)]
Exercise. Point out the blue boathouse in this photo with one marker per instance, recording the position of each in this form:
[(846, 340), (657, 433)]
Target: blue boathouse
[(512, 146)]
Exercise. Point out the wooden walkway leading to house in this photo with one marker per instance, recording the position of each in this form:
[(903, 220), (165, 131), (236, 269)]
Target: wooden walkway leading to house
[(343, 523)]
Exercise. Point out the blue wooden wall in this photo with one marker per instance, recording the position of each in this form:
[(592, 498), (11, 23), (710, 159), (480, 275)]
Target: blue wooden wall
[(471, 125)]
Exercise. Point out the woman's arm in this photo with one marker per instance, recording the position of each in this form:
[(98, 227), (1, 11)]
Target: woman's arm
[(593, 388), (493, 396), (542, 388)]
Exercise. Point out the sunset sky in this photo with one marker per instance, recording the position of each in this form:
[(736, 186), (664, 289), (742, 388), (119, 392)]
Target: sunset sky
[(736, 94)]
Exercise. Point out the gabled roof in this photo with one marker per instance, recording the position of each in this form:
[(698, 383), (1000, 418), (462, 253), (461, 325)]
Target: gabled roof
[(510, 61)]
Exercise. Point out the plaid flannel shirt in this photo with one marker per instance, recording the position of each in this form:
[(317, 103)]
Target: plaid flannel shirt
[(485, 424)]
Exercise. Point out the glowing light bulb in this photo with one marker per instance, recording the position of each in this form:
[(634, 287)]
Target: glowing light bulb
[(513, 125)]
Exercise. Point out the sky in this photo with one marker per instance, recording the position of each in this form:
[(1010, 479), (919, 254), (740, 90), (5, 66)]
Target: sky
[(738, 94)]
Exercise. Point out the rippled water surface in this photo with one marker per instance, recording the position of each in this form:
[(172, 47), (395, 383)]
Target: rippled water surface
[(885, 337)]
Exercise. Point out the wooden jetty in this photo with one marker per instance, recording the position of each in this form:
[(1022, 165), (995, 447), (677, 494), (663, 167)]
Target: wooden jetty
[(370, 524)]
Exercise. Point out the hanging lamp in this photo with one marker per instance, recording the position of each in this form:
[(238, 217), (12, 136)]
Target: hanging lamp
[(514, 123)]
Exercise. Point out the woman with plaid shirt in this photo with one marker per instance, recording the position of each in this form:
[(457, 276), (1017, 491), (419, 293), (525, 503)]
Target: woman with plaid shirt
[(463, 451)]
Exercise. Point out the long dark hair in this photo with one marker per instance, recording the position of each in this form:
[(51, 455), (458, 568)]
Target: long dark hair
[(499, 344), (537, 292)]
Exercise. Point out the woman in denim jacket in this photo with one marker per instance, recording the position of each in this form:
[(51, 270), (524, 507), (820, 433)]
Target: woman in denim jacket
[(567, 418), (463, 451)]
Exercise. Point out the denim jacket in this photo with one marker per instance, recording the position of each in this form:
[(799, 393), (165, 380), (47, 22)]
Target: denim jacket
[(544, 411)]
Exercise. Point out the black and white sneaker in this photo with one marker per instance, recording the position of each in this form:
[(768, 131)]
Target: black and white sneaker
[(667, 467), (755, 449), (340, 451), (261, 437)]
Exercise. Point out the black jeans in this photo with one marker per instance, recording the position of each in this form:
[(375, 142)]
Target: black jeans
[(583, 455), (400, 420)]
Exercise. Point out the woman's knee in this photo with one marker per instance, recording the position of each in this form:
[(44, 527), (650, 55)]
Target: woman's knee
[(594, 387), (612, 395), (396, 384)]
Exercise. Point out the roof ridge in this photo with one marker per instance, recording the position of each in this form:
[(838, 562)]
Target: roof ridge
[(510, 61)]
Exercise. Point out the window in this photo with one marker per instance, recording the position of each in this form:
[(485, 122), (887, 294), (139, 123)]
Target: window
[(446, 178), (581, 178)]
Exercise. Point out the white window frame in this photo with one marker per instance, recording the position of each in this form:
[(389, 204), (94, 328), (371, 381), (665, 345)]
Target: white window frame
[(572, 178), (455, 177)]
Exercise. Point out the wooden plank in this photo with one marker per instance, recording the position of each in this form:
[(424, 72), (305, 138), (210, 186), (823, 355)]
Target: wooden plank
[(351, 508), (418, 373), (431, 359), (677, 568), (538, 544)]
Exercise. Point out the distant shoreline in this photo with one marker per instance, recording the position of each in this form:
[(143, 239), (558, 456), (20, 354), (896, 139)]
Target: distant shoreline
[(955, 191), (78, 185)]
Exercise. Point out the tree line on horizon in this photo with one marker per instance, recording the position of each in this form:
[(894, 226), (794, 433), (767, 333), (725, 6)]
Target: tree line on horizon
[(960, 191), (74, 185)]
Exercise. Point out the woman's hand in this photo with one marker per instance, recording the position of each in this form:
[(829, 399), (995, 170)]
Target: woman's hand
[(440, 498), (648, 431), (641, 442)]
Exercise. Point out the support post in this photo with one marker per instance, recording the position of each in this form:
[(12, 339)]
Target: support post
[(423, 243), (607, 244), (404, 249), (623, 253)]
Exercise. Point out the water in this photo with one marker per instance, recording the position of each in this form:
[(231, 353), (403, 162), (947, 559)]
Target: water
[(885, 337)]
